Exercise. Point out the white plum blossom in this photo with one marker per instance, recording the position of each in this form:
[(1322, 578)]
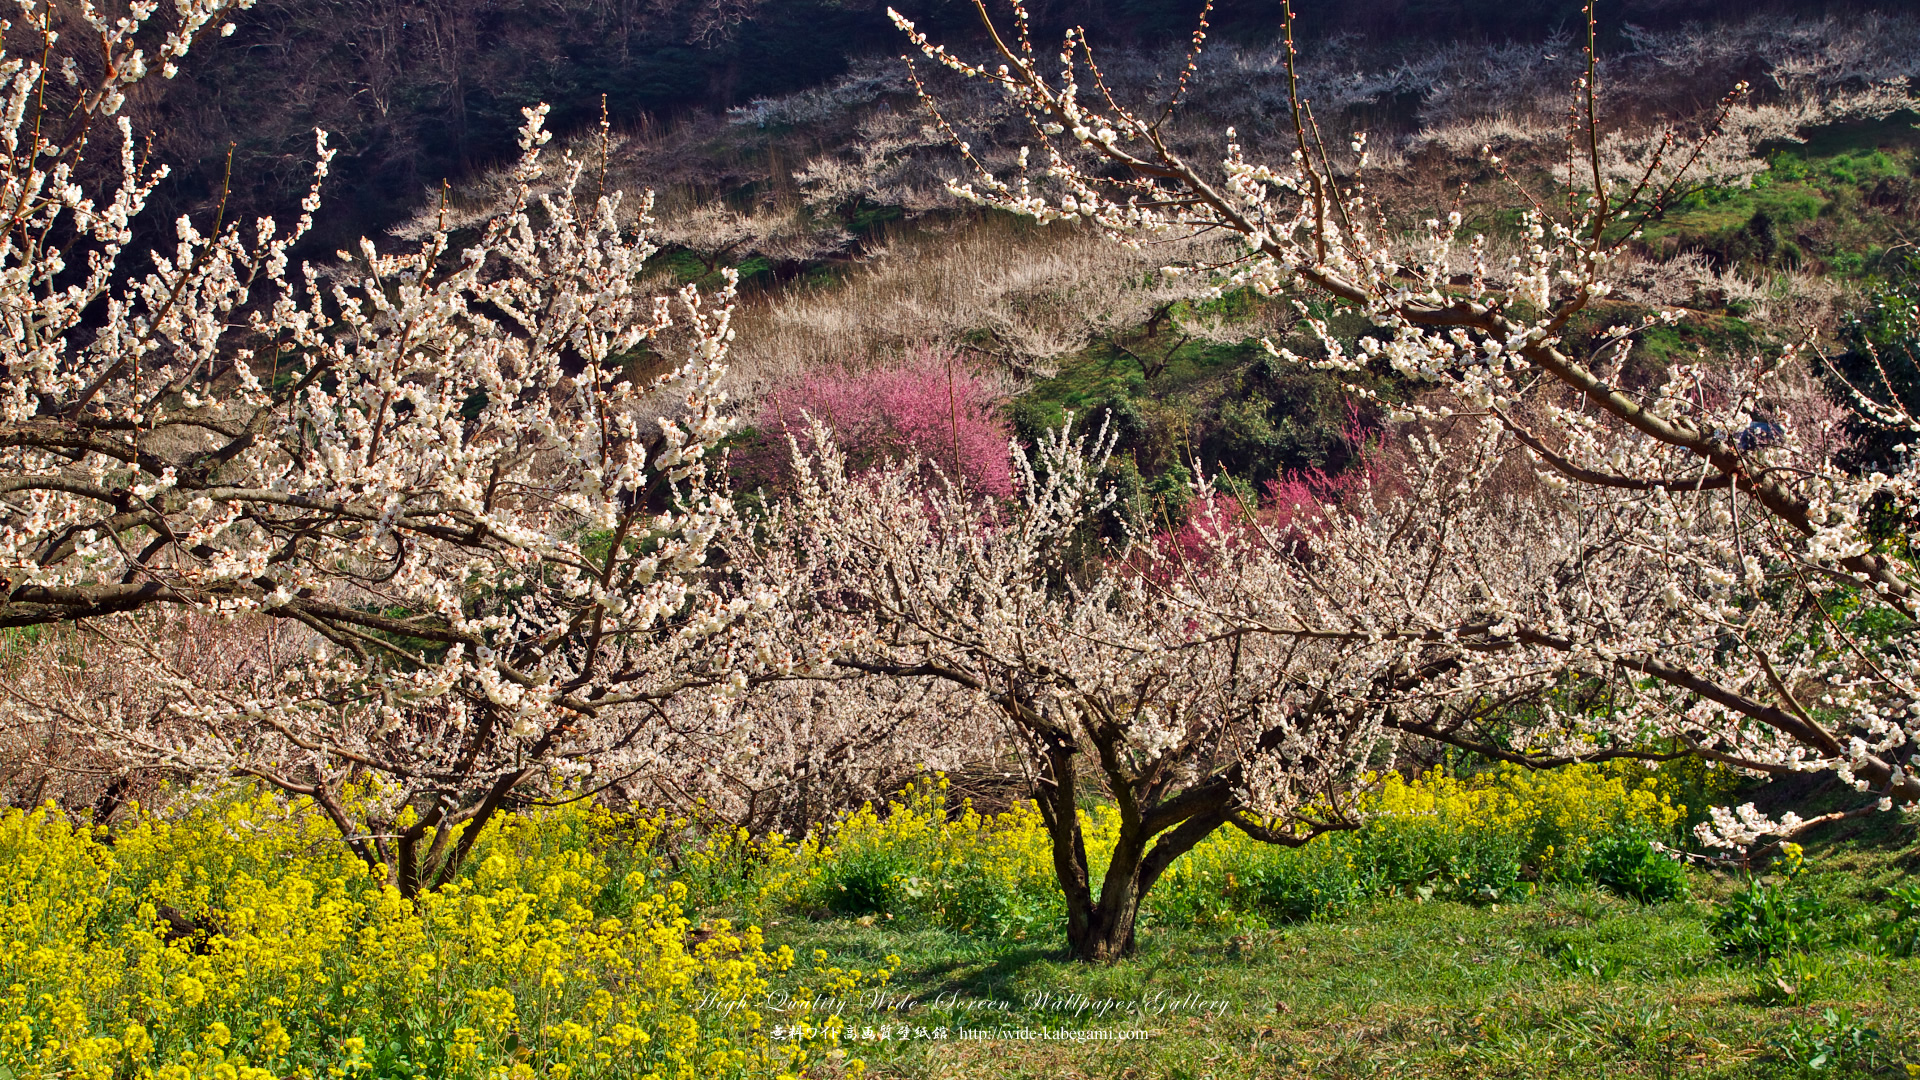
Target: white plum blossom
[(468, 545), (1684, 568)]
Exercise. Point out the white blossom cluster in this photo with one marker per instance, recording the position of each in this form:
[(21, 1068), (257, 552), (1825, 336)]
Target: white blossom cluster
[(791, 754), (480, 537), (1737, 829), (1681, 568)]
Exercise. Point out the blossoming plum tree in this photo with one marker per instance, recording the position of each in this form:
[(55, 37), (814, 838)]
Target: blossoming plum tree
[(1673, 569), (792, 755), (1218, 682), (423, 472)]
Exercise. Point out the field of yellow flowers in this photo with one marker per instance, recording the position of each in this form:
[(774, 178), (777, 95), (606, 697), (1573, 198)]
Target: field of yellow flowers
[(1496, 837), (236, 938), (240, 941)]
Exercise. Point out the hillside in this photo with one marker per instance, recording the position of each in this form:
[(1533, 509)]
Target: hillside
[(414, 93), (831, 204)]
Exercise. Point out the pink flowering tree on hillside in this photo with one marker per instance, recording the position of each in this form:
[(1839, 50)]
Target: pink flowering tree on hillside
[(1217, 520), (929, 405)]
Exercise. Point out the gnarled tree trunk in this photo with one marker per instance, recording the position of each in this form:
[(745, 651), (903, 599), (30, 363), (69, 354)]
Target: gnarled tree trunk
[(1101, 930)]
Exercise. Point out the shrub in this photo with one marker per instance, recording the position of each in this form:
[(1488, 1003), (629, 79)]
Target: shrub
[(1296, 889), (1435, 858), (1554, 816), (1768, 920), (930, 405), (1628, 865), (867, 883), (971, 899)]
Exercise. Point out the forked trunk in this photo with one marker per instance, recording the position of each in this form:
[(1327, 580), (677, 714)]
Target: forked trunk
[(1101, 930)]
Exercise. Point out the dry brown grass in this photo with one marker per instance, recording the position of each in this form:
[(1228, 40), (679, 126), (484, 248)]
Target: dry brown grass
[(1784, 298), (1022, 294)]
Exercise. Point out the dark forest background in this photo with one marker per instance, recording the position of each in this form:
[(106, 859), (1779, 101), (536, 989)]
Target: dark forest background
[(414, 92)]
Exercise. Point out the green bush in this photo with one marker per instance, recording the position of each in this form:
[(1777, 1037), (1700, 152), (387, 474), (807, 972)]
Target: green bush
[(864, 883), (1296, 888), (970, 900), (1768, 920), (1423, 857), (1628, 865)]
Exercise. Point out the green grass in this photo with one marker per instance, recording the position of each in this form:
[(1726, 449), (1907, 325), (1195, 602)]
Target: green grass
[(1719, 210), (1833, 203), (1227, 405), (1574, 982), (1088, 378)]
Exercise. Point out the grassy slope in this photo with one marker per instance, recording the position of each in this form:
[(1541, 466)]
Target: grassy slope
[(1836, 203), (1572, 983)]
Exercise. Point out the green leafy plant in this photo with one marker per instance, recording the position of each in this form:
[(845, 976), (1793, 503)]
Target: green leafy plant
[(1579, 959), (1771, 919), (1295, 889), (1900, 934), (968, 900), (1835, 1043), (1794, 978), (865, 883), (1421, 858), (1627, 864)]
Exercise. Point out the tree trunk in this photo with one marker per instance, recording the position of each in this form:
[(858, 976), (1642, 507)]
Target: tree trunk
[(1098, 931), (1106, 934), (1102, 931)]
